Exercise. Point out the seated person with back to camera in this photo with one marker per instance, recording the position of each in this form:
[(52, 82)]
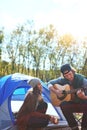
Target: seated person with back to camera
[(32, 114)]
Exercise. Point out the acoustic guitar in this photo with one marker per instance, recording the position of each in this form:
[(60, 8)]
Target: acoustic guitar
[(65, 95)]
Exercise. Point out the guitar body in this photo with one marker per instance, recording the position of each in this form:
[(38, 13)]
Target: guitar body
[(57, 101)]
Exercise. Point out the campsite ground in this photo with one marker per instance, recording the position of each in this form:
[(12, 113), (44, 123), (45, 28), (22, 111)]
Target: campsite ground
[(60, 128)]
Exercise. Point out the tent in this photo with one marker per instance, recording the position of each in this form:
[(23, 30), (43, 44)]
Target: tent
[(13, 87)]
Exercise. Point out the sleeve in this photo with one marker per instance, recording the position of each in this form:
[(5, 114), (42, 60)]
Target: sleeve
[(38, 120), (55, 81), (84, 82), (85, 85)]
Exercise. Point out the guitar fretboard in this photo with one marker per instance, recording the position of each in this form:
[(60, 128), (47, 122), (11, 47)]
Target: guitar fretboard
[(73, 90)]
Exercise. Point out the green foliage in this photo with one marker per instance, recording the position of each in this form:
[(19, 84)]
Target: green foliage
[(1, 36), (40, 53)]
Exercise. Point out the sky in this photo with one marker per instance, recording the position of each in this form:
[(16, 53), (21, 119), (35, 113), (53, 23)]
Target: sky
[(68, 16)]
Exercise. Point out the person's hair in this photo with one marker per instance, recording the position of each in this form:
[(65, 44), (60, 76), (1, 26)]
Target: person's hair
[(36, 90), (72, 69)]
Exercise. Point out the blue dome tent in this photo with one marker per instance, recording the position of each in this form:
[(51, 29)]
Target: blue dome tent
[(13, 88)]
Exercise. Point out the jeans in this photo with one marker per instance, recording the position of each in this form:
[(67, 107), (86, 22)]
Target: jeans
[(68, 108)]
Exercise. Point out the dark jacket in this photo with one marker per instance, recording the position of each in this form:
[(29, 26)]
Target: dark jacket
[(29, 115)]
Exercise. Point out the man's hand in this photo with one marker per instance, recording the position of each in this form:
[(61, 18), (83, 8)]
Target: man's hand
[(81, 94)]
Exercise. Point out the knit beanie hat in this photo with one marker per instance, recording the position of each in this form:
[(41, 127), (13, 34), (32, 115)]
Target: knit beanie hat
[(34, 82), (65, 68)]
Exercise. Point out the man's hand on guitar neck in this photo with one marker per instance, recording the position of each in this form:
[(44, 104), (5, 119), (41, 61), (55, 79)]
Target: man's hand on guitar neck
[(81, 95)]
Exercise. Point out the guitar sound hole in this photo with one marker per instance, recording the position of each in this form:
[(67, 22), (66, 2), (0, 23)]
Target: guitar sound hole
[(64, 92), (64, 95)]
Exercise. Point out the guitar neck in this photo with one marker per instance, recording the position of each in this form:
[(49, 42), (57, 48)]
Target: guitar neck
[(75, 90)]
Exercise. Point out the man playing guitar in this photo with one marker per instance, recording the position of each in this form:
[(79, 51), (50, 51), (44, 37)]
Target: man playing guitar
[(77, 91)]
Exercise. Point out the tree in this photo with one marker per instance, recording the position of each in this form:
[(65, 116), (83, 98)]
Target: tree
[(1, 40)]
